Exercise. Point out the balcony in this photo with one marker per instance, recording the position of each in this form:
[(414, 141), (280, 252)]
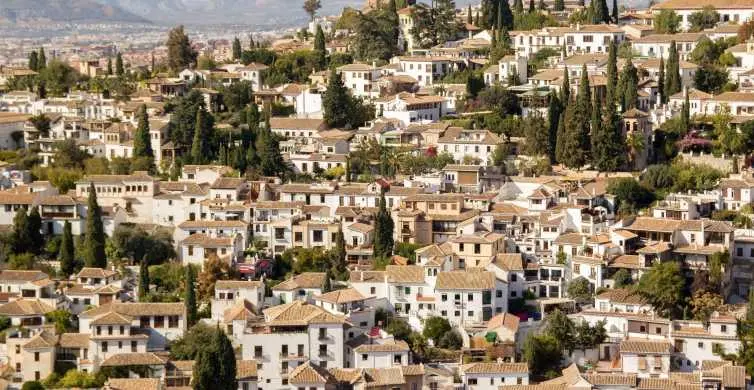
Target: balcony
[(292, 356), (56, 214), (323, 337), (324, 355)]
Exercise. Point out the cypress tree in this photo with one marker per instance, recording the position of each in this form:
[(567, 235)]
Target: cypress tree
[(469, 16), (531, 6), (251, 41), (383, 232), (119, 69), (476, 19), (661, 82), (542, 6), (94, 243), (226, 362), (628, 90), (42, 62), (319, 47), (672, 73), (268, 149), (143, 278), (615, 11), (565, 89), (685, 115), (66, 251), (336, 102), (601, 12), (109, 66), (21, 242), (198, 143), (612, 74), (506, 16), (340, 265), (33, 60), (142, 139), (607, 138), (327, 284), (34, 226), (560, 141), (553, 118), (577, 145), (236, 49), (215, 364), (189, 298)]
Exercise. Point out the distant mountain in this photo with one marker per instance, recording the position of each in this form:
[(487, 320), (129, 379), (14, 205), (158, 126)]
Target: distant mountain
[(13, 11), (262, 13)]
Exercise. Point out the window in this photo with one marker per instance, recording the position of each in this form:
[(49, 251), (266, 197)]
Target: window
[(407, 290), (36, 356), (460, 247), (472, 381), (457, 313), (514, 277), (658, 330), (700, 345), (279, 233), (499, 293), (258, 351), (18, 348), (172, 321), (134, 345), (364, 356), (642, 329), (444, 297), (317, 236), (322, 335), (739, 252), (477, 249), (470, 297), (372, 290), (159, 321), (298, 236), (470, 313), (723, 328), (104, 346), (144, 322)]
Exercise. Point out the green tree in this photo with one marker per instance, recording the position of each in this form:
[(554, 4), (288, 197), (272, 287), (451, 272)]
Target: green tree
[(142, 139), (311, 7), (435, 328), (661, 82), (434, 24), (537, 135), (622, 278), (268, 149), (451, 340), (33, 60), (615, 14), (109, 66), (542, 353), (704, 19), (63, 320), (398, 328), (711, 79), (667, 22), (327, 283), (199, 145), (662, 286), (672, 71), (94, 244), (215, 365), (339, 267), (32, 385), (601, 12), (561, 328), (560, 145), (383, 231), (119, 69), (629, 194), (320, 48), (196, 339), (554, 109), (580, 289), (577, 144), (336, 102), (236, 49), (588, 337), (189, 298), (34, 224), (42, 61), (143, 278), (67, 250), (180, 53), (57, 78), (20, 239), (612, 76), (628, 87)]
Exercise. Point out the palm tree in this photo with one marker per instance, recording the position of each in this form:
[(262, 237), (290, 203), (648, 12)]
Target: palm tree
[(636, 145)]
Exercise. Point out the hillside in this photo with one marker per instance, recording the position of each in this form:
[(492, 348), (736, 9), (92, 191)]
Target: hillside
[(14, 11)]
